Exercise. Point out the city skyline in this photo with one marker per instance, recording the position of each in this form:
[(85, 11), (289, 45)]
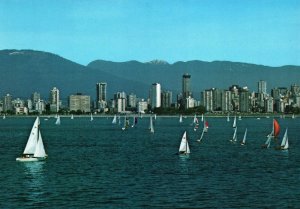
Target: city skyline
[(260, 32)]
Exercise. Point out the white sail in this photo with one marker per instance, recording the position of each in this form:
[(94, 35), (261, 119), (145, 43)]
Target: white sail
[(72, 116), (268, 142), (245, 136), (114, 121), (240, 117), (151, 125), (184, 145), (285, 143), (154, 116), (40, 150), (202, 118), (32, 140), (228, 118), (202, 134), (3, 117), (234, 122), (57, 120), (180, 119), (195, 119), (92, 117), (234, 138)]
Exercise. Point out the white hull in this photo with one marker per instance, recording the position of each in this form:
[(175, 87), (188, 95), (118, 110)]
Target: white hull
[(30, 159)]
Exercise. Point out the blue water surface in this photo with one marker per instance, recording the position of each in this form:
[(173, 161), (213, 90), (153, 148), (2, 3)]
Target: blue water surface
[(97, 165)]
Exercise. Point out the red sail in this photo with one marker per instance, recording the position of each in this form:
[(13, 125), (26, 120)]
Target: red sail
[(276, 128), (206, 124)]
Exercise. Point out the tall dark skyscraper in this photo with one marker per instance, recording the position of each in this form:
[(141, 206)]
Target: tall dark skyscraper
[(186, 86), (101, 94)]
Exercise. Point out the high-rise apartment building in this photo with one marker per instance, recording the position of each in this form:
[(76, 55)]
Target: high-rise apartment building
[(80, 102), (166, 99), (262, 87), (131, 100), (155, 95), (54, 100), (101, 99), (244, 101)]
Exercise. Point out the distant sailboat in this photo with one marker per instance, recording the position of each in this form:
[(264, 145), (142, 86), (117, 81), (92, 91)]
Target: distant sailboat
[(293, 116), (151, 127), (273, 134), (240, 117), (205, 129), (196, 125), (34, 150), (180, 119), (72, 117), (57, 122), (3, 117), (228, 119), (195, 119), (234, 122), (134, 122), (234, 137), (114, 121), (92, 117), (184, 148), (244, 139), (126, 123), (202, 118), (285, 142), (154, 116)]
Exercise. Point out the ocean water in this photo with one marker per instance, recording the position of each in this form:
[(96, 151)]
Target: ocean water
[(97, 165)]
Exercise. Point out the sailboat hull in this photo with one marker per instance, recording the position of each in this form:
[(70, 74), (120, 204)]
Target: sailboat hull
[(30, 159)]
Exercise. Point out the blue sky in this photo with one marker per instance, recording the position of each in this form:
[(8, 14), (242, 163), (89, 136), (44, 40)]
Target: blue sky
[(254, 31)]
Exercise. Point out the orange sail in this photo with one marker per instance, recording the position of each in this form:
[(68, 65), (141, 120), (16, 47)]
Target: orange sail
[(276, 128)]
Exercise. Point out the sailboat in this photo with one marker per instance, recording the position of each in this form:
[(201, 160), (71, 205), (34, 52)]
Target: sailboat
[(134, 122), (205, 126), (114, 121), (244, 139), (57, 122), (154, 116), (228, 119), (205, 129), (34, 150), (151, 127), (126, 123), (285, 142), (273, 134), (202, 118), (72, 117), (234, 122), (3, 117), (92, 117), (184, 148), (195, 119), (240, 117), (196, 125), (293, 116), (180, 119), (234, 137)]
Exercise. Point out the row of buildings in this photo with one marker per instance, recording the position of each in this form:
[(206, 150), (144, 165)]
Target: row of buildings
[(235, 98)]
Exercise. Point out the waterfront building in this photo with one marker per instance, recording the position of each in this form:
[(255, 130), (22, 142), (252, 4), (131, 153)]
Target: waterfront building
[(269, 104), (217, 99), (39, 106), (295, 90), (142, 106), (235, 89), (101, 100), (155, 95), (54, 100), (244, 101), (120, 102), (186, 89), (226, 101), (79, 102), (131, 100), (262, 87), (207, 99), (166, 99), (7, 103)]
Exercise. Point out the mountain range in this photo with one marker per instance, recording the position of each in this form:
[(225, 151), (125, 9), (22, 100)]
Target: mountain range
[(26, 71)]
